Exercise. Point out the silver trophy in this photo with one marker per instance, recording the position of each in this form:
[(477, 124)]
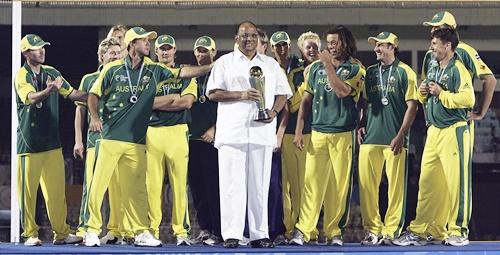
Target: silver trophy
[(257, 81)]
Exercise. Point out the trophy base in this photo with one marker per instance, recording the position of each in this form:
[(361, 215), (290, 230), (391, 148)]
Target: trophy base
[(261, 115)]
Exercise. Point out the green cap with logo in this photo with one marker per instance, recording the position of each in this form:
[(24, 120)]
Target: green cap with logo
[(138, 33), (205, 42), (384, 37), (32, 42), (165, 40), (442, 18), (279, 36)]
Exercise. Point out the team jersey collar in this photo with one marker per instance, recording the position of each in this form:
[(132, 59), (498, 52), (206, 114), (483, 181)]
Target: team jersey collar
[(28, 67), (394, 64), (128, 61), (99, 69)]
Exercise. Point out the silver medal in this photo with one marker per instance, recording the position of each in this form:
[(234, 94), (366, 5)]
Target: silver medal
[(133, 99), (384, 101), (39, 105), (202, 99)]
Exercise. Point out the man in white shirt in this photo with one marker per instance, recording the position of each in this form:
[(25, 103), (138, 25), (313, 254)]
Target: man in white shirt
[(245, 146)]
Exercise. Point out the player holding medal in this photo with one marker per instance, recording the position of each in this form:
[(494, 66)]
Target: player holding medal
[(390, 108)]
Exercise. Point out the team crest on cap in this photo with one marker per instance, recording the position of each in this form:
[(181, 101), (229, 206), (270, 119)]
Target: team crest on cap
[(202, 40), (36, 39), (435, 16)]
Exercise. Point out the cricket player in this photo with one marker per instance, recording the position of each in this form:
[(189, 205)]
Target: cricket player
[(333, 85), (477, 69), (389, 110), (39, 154), (293, 159), (448, 94), (127, 88), (170, 124), (109, 50), (203, 163)]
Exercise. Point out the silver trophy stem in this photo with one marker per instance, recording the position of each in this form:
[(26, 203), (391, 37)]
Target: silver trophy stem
[(257, 81)]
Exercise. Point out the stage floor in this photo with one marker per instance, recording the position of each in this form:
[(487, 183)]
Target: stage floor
[(48, 248)]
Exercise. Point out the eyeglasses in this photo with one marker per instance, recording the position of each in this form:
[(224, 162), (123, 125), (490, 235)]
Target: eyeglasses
[(246, 35)]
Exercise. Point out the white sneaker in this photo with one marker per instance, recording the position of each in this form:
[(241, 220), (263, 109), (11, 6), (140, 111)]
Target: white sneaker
[(183, 241), (70, 239), (204, 235), (297, 238), (111, 239), (385, 240), (336, 241), (456, 241), (146, 239), (33, 241), (244, 241), (370, 239), (409, 238), (92, 240)]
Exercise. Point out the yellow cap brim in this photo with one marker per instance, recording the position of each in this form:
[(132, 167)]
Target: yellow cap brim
[(161, 44), (36, 47), (432, 24), (150, 35)]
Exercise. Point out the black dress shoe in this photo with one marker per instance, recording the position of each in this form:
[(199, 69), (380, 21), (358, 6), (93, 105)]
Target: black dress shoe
[(262, 243), (231, 243)]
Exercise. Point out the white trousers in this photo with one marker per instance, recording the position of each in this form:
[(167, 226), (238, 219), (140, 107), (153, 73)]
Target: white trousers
[(244, 176)]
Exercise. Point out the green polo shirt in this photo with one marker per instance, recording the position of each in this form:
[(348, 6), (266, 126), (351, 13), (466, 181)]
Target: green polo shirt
[(203, 115), (123, 120), (174, 85), (331, 114), (456, 97), (85, 85), (384, 121), (38, 129), (295, 75)]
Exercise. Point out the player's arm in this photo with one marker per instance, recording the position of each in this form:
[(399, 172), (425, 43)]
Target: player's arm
[(195, 71), (93, 99), (340, 88), (220, 95), (463, 98), (304, 111), (363, 108), (489, 83), (36, 97), (95, 122), (80, 113), (283, 122), (411, 112), (78, 95)]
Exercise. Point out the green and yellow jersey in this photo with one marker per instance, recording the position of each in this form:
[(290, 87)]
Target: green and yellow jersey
[(122, 119), (203, 111), (456, 97), (399, 85), (85, 85), (295, 76), (38, 129), (467, 55), (174, 86), (331, 114)]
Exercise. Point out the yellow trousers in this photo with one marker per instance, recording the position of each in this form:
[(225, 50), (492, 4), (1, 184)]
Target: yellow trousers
[(327, 182), (117, 225), (293, 171), (129, 161), (168, 150), (44, 169), (445, 182), (371, 165)]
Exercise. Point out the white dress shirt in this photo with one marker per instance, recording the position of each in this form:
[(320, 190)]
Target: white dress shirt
[(235, 122)]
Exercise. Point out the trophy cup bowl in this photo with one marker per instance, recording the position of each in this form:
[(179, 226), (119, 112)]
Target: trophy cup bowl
[(257, 81)]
